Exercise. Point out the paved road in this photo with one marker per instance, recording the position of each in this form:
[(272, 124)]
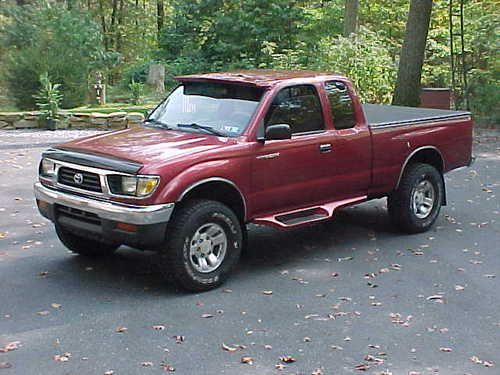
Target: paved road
[(344, 293)]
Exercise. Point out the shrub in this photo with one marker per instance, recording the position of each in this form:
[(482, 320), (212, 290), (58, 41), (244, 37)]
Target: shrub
[(364, 58), (48, 98), (136, 92), (64, 43)]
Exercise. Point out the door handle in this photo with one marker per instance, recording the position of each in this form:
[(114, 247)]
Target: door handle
[(325, 148)]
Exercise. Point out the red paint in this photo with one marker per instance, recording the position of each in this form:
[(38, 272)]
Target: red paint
[(363, 163)]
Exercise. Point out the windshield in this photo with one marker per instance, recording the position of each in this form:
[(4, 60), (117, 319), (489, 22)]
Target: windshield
[(209, 108)]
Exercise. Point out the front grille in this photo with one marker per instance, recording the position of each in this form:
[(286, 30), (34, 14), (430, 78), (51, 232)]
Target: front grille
[(91, 182), (74, 213)]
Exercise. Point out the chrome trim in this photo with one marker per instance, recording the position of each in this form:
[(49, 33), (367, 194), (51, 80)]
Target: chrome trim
[(412, 154), (132, 214), (269, 156), (216, 179)]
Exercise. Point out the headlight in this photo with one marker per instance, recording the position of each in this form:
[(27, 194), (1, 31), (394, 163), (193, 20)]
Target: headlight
[(138, 186), (47, 168)]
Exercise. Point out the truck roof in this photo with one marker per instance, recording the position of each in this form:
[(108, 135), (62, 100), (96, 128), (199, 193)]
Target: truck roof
[(259, 78)]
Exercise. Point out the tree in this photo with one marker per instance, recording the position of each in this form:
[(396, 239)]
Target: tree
[(160, 17), (407, 91), (350, 17)]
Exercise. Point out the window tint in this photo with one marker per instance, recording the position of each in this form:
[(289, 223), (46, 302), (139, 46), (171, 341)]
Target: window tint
[(340, 105), (297, 106)]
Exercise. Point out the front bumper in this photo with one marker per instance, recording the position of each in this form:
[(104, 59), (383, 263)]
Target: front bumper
[(139, 215), (103, 220)]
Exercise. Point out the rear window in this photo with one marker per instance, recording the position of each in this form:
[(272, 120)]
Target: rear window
[(341, 105)]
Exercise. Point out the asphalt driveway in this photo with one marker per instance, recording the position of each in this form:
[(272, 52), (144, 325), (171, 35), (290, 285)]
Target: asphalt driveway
[(342, 297)]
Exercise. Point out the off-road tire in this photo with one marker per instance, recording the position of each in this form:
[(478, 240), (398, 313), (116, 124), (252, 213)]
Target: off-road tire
[(84, 246), (400, 204), (186, 220)]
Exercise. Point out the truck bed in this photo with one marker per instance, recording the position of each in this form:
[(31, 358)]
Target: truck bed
[(379, 116)]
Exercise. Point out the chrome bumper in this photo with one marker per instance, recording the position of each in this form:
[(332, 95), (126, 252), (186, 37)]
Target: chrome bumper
[(139, 215)]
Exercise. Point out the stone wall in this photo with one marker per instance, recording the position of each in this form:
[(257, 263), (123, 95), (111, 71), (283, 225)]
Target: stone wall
[(76, 120)]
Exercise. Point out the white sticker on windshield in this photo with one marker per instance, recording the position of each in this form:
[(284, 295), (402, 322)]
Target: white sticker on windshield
[(231, 129)]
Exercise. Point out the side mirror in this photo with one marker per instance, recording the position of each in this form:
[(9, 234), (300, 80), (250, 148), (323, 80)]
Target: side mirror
[(278, 131)]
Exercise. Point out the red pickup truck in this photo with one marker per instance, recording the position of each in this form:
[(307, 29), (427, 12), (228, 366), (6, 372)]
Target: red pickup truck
[(279, 148)]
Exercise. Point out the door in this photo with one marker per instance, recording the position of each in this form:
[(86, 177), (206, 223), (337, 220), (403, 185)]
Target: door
[(351, 163), (293, 173)]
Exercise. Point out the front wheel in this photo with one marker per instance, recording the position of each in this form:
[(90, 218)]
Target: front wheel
[(203, 244), (414, 206)]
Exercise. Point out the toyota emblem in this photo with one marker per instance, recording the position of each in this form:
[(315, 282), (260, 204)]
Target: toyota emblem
[(78, 178)]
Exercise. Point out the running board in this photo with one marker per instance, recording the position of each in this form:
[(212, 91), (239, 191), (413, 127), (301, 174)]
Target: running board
[(304, 216)]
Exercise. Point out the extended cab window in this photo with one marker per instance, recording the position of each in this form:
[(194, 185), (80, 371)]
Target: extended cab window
[(224, 108), (297, 106), (340, 105)]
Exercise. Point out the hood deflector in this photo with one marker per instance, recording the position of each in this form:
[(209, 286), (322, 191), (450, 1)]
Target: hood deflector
[(93, 160)]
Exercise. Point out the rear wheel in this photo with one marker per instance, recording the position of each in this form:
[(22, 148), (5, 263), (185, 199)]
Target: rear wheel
[(415, 205), (84, 246), (203, 243)]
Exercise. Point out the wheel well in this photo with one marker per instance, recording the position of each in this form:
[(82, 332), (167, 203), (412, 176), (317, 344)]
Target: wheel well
[(219, 191), (429, 156)]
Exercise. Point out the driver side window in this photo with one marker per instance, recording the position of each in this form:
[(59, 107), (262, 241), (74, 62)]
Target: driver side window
[(298, 106)]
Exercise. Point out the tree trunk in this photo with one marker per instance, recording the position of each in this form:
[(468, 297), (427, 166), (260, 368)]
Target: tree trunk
[(160, 16), (350, 17), (407, 91), (121, 15), (102, 16)]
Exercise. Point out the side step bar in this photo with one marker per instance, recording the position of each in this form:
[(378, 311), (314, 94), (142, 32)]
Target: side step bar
[(304, 216)]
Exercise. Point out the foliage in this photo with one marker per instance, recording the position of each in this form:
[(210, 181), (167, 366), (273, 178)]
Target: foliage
[(66, 44), (136, 92), (121, 38), (48, 98), (364, 59)]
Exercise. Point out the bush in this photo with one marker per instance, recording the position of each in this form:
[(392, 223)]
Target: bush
[(48, 98), (362, 57), (64, 43), (136, 92)]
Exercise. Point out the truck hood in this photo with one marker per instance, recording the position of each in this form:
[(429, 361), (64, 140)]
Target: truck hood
[(147, 145)]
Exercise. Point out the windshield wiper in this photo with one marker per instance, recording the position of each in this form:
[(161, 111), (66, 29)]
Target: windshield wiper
[(203, 127), (161, 124)]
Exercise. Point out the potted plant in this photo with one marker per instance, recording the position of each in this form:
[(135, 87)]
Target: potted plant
[(48, 99)]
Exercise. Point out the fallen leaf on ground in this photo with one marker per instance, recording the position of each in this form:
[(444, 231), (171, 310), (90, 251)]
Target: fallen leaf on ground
[(168, 368), (55, 305), (11, 346), (267, 292), (318, 371), (279, 366), (109, 372), (179, 339), (362, 367), (159, 327), (62, 357), (3, 234), (207, 316), (121, 329), (228, 348), (247, 360), (344, 259), (287, 359), (147, 364), (5, 365), (43, 313), (446, 350), (437, 297), (459, 287)]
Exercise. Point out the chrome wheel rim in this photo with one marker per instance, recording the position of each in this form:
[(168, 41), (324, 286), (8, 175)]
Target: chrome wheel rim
[(423, 198), (207, 248)]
